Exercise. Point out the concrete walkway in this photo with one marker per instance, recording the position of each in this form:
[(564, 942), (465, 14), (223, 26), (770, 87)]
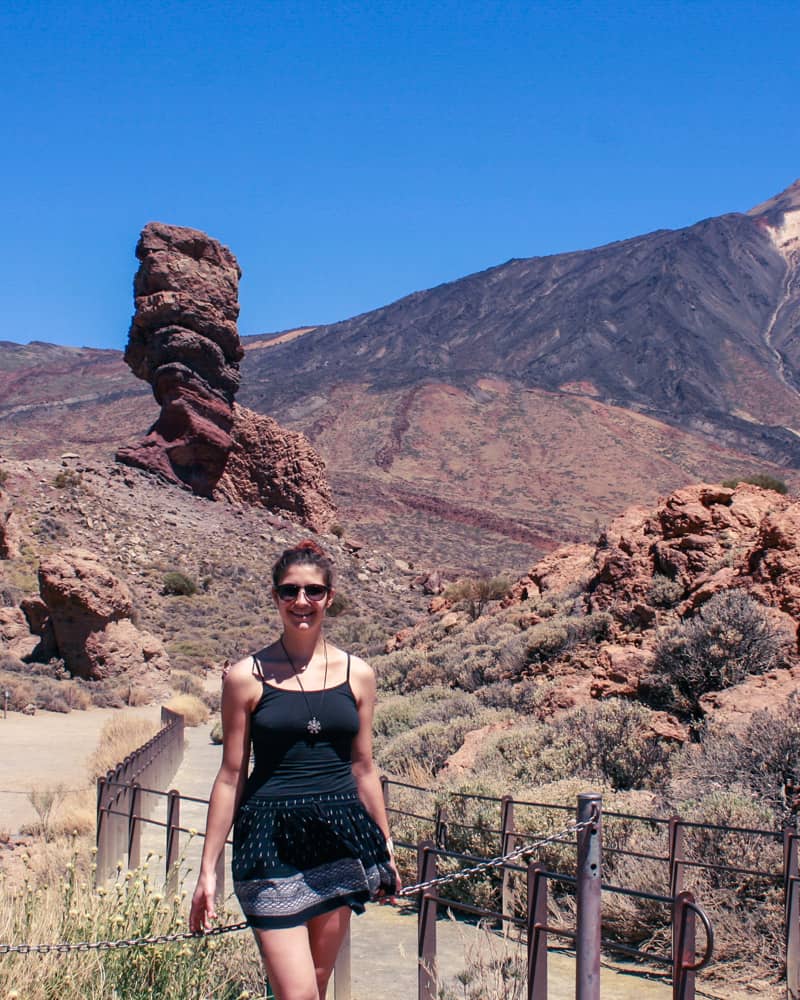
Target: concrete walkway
[(384, 939)]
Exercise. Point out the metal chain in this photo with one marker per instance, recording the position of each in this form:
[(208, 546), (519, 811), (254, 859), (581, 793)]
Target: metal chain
[(139, 942), (497, 862)]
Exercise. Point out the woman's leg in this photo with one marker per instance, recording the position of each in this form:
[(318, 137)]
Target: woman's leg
[(288, 962), (326, 933)]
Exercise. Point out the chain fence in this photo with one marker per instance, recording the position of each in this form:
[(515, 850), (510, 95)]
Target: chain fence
[(409, 890)]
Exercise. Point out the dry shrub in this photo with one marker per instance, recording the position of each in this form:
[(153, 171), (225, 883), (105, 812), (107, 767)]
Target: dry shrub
[(21, 692), (75, 814), (194, 710), (215, 736), (496, 968), (730, 638), (118, 738), (53, 900), (610, 741)]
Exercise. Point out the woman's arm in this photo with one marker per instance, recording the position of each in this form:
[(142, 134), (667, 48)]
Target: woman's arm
[(237, 702), (364, 770)]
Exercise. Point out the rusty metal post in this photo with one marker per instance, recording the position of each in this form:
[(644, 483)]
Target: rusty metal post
[(101, 858), (507, 842), (385, 790), (219, 895), (683, 949), (791, 884), (537, 933), (134, 826), (173, 839), (440, 827), (676, 856), (426, 924), (341, 970), (587, 939)]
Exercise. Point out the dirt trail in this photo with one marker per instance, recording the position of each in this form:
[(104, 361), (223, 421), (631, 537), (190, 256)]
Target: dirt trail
[(46, 749)]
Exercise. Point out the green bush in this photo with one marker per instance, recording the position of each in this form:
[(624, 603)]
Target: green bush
[(67, 477), (730, 638), (177, 584), (428, 745), (762, 479), (663, 592), (609, 741), (763, 758), (474, 593)]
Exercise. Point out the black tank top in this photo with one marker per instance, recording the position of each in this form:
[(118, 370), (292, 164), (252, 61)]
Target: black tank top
[(290, 761)]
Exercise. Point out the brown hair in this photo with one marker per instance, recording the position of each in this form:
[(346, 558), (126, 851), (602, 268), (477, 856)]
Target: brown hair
[(306, 553)]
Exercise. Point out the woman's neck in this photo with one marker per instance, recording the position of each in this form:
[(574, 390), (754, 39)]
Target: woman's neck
[(301, 649)]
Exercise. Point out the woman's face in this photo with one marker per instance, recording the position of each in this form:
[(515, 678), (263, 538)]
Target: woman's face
[(300, 612)]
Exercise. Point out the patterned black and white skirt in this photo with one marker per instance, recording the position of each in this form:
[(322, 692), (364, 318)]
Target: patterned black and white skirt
[(295, 858)]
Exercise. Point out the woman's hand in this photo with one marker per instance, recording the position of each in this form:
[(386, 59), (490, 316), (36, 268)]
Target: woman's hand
[(203, 909), (398, 883)]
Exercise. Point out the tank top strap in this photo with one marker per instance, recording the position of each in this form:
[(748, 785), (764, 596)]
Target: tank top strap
[(347, 679), (257, 668)]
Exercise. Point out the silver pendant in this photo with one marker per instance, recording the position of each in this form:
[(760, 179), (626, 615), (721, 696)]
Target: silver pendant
[(314, 726)]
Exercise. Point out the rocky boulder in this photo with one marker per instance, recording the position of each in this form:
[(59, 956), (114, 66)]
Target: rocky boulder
[(9, 530), (276, 468), (15, 636), (87, 608)]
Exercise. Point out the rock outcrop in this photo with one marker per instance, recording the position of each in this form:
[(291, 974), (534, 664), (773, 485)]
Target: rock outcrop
[(89, 613), (592, 616), (276, 468), (183, 341), (9, 533), (15, 636)]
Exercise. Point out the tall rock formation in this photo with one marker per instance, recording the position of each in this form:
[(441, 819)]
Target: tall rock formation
[(183, 341)]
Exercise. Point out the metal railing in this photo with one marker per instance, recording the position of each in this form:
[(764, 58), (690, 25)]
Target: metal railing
[(122, 814), (121, 794), (442, 826)]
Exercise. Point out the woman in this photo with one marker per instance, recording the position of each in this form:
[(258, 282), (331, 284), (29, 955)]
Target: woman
[(311, 837)]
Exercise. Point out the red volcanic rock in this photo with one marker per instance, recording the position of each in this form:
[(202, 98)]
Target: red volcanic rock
[(276, 468), (774, 561), (84, 600), (564, 568), (183, 341), (9, 533), (121, 648), (15, 636), (618, 671), (190, 442)]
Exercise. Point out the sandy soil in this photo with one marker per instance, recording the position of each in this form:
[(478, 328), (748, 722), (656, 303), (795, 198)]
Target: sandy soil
[(49, 748)]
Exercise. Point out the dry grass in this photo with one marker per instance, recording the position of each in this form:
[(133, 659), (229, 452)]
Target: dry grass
[(54, 901), (194, 711), (118, 738)]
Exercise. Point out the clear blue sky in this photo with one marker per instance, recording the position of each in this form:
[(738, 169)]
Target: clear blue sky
[(352, 152)]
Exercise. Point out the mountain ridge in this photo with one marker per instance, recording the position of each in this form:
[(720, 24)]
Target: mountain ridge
[(486, 419)]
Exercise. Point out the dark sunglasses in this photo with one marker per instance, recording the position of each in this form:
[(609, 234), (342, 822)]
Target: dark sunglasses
[(291, 591)]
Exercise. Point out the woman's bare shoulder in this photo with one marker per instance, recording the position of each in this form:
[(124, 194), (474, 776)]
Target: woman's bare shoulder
[(360, 668), (241, 678)]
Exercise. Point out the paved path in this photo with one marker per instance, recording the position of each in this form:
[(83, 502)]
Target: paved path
[(48, 749), (384, 939)]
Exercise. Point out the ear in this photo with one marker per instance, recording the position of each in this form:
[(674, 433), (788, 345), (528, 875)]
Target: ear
[(329, 598)]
